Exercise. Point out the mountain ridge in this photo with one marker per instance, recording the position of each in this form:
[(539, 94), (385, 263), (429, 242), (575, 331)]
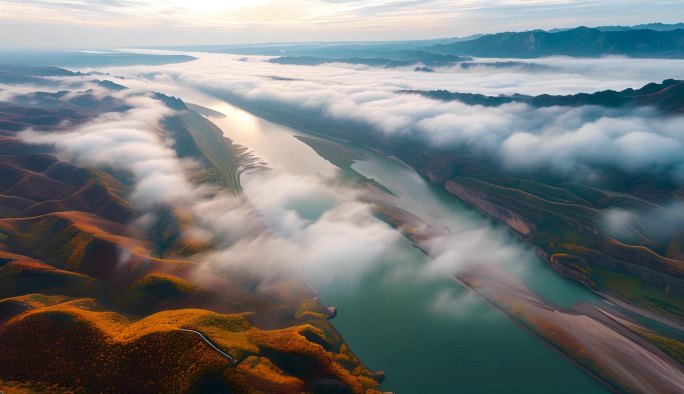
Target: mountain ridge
[(667, 96), (578, 42)]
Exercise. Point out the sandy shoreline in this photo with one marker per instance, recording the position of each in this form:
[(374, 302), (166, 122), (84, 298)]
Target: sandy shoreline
[(599, 341)]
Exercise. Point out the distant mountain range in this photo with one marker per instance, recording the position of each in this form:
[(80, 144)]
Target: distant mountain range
[(653, 40), (395, 50), (394, 59), (645, 26), (578, 42), (667, 96), (665, 42)]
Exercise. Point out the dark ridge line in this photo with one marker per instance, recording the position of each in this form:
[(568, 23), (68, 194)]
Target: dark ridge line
[(665, 96)]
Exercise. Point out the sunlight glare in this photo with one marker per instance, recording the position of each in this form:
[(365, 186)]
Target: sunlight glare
[(214, 6)]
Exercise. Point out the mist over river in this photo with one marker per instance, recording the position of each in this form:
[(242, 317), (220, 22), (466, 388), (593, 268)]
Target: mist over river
[(422, 330), (409, 326), (342, 196)]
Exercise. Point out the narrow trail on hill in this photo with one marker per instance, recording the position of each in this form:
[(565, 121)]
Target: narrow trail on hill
[(232, 360)]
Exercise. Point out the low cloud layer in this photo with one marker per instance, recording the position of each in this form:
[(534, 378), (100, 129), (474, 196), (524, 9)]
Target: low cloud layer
[(571, 142), (458, 304), (663, 224), (270, 233), (315, 231), (267, 235), (286, 226), (132, 141)]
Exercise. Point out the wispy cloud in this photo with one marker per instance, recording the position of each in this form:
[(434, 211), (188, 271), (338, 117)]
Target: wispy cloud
[(570, 142), (52, 22), (266, 239)]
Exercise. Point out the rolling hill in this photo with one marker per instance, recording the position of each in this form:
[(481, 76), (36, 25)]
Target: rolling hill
[(90, 301)]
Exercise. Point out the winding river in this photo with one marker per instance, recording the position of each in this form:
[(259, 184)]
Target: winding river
[(396, 322)]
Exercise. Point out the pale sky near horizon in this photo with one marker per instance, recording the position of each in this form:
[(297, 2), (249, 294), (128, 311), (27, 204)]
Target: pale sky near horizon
[(121, 23)]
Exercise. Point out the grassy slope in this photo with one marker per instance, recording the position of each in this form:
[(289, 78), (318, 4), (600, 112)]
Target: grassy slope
[(198, 138), (87, 303)]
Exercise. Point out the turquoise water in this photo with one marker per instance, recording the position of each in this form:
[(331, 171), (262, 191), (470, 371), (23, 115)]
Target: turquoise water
[(438, 206), (391, 325), (428, 335)]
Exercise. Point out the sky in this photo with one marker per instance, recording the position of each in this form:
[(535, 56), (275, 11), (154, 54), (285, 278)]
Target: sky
[(121, 23)]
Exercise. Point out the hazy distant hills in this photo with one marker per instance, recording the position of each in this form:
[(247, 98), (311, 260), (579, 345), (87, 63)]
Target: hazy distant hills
[(667, 97), (22, 58), (32, 74), (653, 40), (578, 42), (395, 50), (648, 26), (393, 60)]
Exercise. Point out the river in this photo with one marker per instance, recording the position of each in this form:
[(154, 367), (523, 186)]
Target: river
[(392, 321)]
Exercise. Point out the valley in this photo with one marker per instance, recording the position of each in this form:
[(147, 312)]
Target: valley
[(220, 210)]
